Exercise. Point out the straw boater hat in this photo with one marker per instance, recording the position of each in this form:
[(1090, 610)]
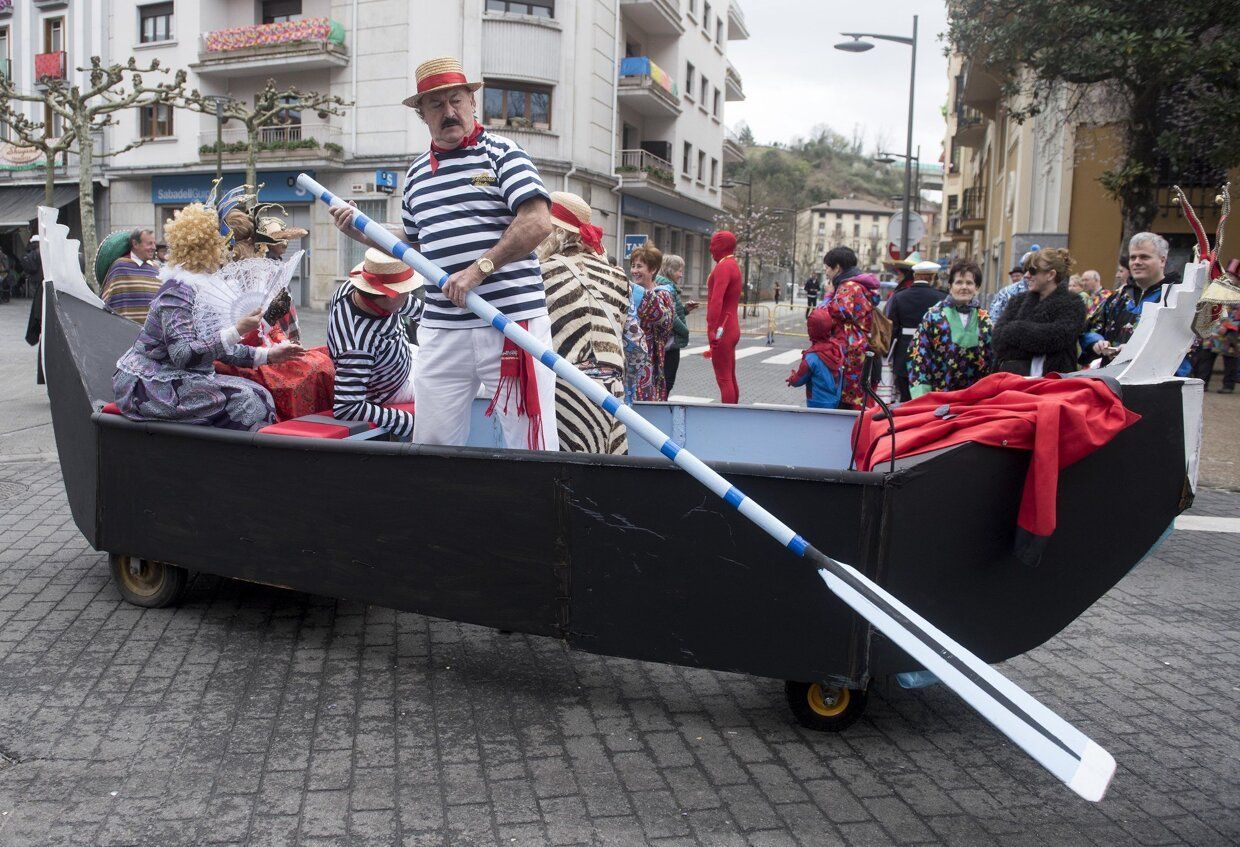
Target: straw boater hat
[(571, 213), (438, 74), (383, 276)]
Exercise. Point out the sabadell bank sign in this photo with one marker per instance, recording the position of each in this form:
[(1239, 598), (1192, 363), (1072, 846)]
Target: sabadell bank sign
[(183, 189)]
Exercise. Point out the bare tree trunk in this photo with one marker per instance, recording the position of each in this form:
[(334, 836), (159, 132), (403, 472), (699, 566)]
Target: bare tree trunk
[(86, 201), (251, 160), (49, 184)]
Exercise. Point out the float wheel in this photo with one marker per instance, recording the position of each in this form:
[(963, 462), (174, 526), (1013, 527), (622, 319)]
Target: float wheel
[(824, 708), (147, 583)]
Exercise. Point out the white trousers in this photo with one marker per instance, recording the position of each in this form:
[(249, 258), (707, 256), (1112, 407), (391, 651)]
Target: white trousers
[(405, 393), (453, 364)]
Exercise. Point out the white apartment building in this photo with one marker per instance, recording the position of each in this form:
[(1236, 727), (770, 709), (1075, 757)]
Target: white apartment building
[(675, 81), (56, 37), (644, 148)]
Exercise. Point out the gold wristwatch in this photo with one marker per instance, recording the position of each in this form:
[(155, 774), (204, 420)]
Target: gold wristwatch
[(485, 265)]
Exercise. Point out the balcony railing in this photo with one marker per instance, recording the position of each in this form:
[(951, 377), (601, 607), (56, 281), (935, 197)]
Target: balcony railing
[(737, 30), (732, 85), (281, 141), (50, 65), (642, 164), (648, 88), (305, 44), (973, 207)]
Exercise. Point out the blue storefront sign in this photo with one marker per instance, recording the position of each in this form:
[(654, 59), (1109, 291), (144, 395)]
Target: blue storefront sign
[(183, 189), (385, 181)]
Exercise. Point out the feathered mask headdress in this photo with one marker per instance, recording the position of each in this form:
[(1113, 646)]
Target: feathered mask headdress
[(1221, 292)]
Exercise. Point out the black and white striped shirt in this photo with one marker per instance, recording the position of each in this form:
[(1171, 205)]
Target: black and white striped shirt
[(460, 211), (372, 360)]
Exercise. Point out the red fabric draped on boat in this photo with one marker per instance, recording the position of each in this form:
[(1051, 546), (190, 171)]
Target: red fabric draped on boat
[(1060, 421), (301, 386)]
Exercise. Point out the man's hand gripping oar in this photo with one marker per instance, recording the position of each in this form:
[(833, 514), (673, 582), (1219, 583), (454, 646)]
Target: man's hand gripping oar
[(1058, 746)]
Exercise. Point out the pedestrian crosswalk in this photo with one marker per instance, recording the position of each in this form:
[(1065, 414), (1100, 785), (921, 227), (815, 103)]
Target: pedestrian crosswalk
[(787, 357)]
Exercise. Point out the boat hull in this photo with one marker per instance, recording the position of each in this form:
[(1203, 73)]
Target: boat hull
[(622, 556)]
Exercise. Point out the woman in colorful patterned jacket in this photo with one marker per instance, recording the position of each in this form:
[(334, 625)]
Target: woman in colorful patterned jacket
[(656, 313), (852, 308), (951, 349)]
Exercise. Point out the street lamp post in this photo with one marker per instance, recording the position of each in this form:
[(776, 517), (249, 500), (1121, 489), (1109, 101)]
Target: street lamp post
[(859, 46), (732, 183)]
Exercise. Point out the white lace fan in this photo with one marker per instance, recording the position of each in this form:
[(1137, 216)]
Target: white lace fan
[(238, 289)]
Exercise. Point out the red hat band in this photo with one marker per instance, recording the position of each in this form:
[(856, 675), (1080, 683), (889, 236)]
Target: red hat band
[(440, 80)]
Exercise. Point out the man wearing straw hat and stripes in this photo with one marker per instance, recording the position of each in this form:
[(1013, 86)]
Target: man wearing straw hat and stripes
[(475, 205)]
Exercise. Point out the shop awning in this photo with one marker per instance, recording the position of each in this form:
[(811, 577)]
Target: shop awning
[(19, 204)]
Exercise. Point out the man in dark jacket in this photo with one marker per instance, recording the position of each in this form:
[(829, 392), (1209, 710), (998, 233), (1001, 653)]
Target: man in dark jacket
[(906, 308), (1038, 332), (32, 264), (812, 290)]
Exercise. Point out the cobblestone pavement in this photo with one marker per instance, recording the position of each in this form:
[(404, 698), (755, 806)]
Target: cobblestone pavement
[(252, 715)]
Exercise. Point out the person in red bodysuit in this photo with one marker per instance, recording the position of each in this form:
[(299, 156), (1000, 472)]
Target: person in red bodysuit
[(722, 326)]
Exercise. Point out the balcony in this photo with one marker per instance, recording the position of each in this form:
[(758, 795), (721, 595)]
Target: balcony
[(737, 31), (973, 208), (48, 66), (647, 89), (733, 90), (980, 90), (654, 17), (290, 46), (277, 143), (970, 126), (733, 152), (645, 175)]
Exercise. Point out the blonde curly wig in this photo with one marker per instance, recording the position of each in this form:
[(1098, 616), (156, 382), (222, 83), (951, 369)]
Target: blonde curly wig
[(194, 240)]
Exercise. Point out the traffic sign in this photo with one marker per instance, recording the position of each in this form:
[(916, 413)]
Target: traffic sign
[(916, 230)]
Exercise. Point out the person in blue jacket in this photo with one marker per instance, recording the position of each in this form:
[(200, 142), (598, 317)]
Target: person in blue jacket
[(821, 363)]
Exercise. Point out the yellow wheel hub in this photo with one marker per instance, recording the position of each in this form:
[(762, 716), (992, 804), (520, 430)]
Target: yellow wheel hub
[(828, 702), (141, 576)]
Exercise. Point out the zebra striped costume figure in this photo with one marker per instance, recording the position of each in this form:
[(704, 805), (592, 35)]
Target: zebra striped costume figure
[(587, 299)]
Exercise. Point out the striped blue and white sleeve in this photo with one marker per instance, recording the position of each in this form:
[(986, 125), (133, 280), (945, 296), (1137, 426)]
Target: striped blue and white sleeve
[(353, 370)]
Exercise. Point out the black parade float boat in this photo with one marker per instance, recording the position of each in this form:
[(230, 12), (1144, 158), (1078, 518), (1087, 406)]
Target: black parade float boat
[(627, 556)]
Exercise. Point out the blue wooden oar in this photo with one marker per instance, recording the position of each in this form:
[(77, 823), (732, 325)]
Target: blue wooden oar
[(1058, 746)]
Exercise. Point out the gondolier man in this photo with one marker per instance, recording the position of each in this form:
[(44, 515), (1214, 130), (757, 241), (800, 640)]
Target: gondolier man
[(474, 204)]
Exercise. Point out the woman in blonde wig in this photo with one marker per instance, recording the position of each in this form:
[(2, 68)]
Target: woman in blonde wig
[(168, 374)]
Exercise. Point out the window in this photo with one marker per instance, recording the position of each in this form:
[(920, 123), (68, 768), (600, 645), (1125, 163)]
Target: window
[(156, 120), (53, 35), (875, 218), (706, 17), (693, 8), (686, 163), (856, 217), (512, 104), (689, 79), (719, 31), (351, 251), (537, 8), (714, 173), (703, 87), (717, 101), (53, 123), (822, 227), (856, 230), (155, 23), (701, 173), (279, 11)]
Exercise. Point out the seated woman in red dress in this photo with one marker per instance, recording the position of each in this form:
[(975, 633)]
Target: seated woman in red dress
[(300, 386)]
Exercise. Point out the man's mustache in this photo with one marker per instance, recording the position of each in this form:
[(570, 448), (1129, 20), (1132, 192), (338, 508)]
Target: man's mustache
[(451, 122)]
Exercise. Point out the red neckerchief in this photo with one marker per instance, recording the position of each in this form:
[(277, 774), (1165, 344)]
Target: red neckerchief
[(467, 141), (516, 373)]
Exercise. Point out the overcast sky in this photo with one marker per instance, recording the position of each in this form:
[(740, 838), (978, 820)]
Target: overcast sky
[(794, 79)]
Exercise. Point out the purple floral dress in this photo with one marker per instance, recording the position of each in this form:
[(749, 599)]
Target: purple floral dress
[(168, 374)]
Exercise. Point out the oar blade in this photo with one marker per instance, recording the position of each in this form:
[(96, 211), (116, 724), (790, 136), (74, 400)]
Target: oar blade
[(1061, 748)]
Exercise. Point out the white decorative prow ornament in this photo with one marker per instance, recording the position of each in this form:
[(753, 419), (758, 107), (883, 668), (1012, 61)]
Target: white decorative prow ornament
[(1164, 332)]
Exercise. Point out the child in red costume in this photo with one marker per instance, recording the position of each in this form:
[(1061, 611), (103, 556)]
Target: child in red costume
[(722, 326)]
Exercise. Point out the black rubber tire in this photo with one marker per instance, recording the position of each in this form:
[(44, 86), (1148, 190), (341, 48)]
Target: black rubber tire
[(824, 709), (152, 585)]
